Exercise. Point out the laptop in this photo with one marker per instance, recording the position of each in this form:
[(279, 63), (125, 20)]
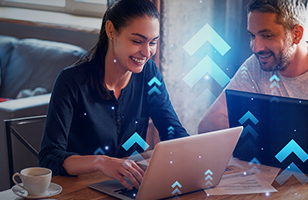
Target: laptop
[(180, 166), (275, 129)]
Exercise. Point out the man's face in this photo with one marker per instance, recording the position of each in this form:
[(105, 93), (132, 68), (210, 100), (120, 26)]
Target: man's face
[(269, 41)]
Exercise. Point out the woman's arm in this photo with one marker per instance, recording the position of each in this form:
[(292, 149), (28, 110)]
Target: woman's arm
[(112, 167), (160, 108)]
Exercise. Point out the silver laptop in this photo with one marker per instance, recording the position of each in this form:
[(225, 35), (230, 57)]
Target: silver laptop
[(180, 166)]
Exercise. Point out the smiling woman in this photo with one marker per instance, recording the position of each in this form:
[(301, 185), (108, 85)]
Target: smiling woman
[(107, 97)]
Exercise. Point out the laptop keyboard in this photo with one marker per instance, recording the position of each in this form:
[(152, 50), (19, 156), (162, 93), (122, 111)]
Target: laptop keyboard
[(126, 192)]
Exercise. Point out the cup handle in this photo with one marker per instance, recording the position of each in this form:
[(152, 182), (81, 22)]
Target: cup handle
[(17, 174)]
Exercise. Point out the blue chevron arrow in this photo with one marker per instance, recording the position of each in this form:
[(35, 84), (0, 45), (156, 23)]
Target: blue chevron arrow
[(153, 99), (176, 183), (243, 68), (154, 80), (135, 138), (154, 89), (209, 183), (99, 150), (292, 169), (274, 84), (170, 137), (206, 34), (244, 77), (254, 160), (249, 129), (248, 144), (206, 65), (248, 115), (274, 91), (292, 146), (274, 77), (136, 157), (254, 169), (208, 172), (170, 128), (202, 102), (99, 158), (274, 99), (176, 191), (208, 177)]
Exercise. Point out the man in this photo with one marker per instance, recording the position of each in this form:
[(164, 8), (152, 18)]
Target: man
[(276, 29)]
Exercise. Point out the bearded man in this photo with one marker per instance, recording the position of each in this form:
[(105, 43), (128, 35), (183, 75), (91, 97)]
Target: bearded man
[(280, 53)]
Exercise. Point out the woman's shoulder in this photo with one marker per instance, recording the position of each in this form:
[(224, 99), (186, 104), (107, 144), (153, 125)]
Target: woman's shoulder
[(150, 68), (80, 72)]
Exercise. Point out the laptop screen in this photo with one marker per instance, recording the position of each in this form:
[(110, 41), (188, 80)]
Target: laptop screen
[(275, 128)]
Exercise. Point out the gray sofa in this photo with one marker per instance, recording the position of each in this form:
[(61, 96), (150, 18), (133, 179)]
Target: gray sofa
[(27, 64)]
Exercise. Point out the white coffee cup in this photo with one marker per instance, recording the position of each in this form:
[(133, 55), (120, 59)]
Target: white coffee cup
[(36, 180)]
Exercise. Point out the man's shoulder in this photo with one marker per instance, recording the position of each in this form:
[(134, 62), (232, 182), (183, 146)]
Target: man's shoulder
[(252, 63)]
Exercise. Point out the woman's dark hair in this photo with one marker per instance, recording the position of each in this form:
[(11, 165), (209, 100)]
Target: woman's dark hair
[(120, 14)]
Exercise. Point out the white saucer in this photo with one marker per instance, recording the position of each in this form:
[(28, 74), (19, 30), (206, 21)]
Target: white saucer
[(53, 190)]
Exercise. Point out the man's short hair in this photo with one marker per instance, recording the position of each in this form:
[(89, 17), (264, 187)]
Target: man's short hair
[(289, 12)]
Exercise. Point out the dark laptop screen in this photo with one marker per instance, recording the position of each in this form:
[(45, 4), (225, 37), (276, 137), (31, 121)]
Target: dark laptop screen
[(275, 128)]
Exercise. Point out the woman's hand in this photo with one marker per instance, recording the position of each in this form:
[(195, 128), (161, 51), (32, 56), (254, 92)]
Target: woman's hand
[(119, 168), (113, 167)]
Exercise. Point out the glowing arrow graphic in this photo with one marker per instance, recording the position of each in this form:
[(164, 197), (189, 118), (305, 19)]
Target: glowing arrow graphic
[(135, 138), (248, 115), (274, 85), (206, 34), (176, 183), (292, 169), (99, 151), (208, 172), (170, 128), (274, 99), (208, 177), (254, 160), (274, 77), (136, 157), (244, 68), (209, 183), (249, 129), (292, 146), (254, 169), (154, 89), (206, 66), (154, 80), (176, 191)]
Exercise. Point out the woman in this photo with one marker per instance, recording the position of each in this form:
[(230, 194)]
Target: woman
[(108, 96)]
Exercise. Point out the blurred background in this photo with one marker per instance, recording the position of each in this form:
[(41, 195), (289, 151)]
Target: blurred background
[(202, 44), (78, 22)]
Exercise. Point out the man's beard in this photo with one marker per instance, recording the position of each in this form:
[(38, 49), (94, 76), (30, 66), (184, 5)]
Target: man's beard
[(283, 59)]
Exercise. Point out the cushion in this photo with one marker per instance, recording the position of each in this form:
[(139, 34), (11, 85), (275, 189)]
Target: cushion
[(36, 63), (7, 44), (30, 93)]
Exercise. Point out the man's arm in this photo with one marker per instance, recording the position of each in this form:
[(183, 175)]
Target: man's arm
[(216, 117), (247, 78)]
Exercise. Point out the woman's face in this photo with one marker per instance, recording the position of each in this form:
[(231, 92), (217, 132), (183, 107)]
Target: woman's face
[(136, 43)]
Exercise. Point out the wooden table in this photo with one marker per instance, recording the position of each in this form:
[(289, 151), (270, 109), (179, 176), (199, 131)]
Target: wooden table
[(77, 188)]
